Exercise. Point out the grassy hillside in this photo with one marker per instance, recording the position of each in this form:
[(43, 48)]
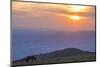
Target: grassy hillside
[(60, 56)]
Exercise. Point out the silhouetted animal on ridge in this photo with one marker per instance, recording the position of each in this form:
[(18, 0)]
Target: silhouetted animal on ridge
[(30, 59)]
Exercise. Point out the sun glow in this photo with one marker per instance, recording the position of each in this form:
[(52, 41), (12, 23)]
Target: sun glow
[(75, 8), (75, 17)]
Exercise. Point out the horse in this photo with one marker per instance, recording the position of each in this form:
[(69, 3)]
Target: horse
[(31, 59)]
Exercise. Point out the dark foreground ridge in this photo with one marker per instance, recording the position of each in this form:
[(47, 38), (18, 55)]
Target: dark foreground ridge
[(60, 56)]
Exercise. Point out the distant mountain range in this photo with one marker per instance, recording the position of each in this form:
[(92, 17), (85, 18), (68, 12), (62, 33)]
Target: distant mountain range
[(59, 56)]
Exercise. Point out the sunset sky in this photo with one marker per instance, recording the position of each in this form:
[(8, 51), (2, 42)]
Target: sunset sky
[(43, 16)]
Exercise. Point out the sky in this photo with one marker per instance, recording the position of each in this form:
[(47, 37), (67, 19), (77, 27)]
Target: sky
[(43, 16), (92, 2)]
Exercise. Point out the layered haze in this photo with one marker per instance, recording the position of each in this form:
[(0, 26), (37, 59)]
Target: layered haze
[(39, 28)]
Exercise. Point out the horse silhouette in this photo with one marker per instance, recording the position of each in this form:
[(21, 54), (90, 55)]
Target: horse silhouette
[(30, 59)]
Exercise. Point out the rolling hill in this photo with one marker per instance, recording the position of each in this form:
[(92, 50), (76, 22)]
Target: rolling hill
[(59, 56)]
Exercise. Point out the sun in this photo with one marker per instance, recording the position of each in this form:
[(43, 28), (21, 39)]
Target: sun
[(75, 17)]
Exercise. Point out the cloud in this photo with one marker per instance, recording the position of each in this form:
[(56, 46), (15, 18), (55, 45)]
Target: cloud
[(40, 8), (46, 16)]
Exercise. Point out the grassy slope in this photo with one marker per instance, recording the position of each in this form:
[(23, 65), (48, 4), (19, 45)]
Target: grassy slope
[(74, 55)]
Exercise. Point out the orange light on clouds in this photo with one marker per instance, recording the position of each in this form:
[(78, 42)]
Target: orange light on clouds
[(75, 8), (61, 17)]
